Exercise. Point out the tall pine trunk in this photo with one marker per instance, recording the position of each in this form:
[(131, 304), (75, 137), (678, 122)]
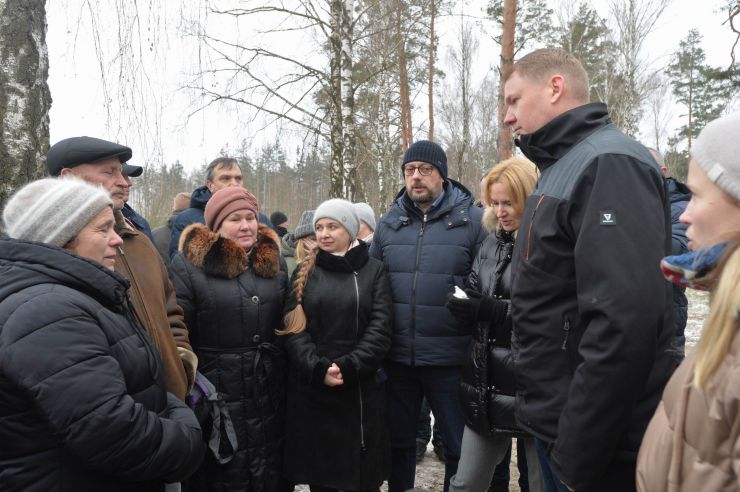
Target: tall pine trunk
[(348, 102), (507, 62), (431, 72), (24, 94), (406, 129)]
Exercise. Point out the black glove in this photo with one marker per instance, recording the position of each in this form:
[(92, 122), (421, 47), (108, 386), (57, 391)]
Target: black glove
[(464, 310), (488, 308)]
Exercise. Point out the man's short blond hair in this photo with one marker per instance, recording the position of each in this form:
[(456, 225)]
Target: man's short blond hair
[(544, 63)]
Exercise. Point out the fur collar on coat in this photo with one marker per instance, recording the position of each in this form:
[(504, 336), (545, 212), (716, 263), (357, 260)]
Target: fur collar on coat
[(221, 257)]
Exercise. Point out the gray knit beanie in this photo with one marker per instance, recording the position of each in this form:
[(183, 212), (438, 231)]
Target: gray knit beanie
[(717, 151), (53, 210), (366, 214), (305, 225), (341, 211)]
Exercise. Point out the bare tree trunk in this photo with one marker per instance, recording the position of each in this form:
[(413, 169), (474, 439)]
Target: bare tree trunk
[(348, 100), (431, 73), (507, 62), (336, 166), (24, 94), (406, 129)]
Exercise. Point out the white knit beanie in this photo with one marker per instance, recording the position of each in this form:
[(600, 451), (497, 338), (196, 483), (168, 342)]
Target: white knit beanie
[(53, 210), (717, 151), (341, 211), (366, 214)]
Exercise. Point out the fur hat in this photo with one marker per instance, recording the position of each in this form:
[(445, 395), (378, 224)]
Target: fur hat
[(305, 225), (717, 151), (226, 201), (429, 152), (341, 211), (181, 202), (53, 210), (366, 214)]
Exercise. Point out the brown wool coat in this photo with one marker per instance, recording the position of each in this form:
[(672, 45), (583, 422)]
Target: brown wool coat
[(155, 304), (693, 441)]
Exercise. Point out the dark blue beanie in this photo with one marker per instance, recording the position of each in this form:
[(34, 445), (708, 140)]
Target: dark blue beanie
[(429, 152)]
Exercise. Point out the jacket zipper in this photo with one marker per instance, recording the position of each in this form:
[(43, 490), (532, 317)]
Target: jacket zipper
[(413, 291), (566, 329), (529, 229), (357, 339)]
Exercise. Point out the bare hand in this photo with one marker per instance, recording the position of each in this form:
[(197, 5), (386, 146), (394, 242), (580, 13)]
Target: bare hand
[(333, 376)]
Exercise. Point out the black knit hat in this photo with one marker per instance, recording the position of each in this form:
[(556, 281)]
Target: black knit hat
[(278, 218), (429, 152)]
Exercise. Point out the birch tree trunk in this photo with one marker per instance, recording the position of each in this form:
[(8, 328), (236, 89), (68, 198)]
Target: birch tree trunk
[(507, 62), (24, 94), (348, 101), (431, 72), (336, 165)]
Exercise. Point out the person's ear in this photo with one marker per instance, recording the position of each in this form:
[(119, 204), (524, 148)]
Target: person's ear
[(557, 86), (66, 171)]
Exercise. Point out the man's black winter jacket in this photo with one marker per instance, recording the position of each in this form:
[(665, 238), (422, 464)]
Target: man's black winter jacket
[(590, 308)]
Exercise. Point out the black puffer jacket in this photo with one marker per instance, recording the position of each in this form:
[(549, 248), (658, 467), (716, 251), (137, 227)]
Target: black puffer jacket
[(83, 405), (233, 303), (337, 437), (488, 386)]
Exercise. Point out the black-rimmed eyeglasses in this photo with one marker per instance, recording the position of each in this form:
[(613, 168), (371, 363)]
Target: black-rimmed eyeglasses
[(424, 169)]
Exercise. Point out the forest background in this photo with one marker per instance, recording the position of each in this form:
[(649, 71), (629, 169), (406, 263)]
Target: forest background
[(319, 98)]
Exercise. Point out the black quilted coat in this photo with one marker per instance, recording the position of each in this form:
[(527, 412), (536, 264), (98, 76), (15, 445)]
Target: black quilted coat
[(487, 388), (82, 399), (233, 302), (337, 437)]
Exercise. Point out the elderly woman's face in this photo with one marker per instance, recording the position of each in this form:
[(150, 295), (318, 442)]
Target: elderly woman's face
[(241, 227), (98, 240), (711, 214)]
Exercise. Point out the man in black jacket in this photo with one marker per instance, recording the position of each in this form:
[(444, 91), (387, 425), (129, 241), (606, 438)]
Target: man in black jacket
[(591, 311)]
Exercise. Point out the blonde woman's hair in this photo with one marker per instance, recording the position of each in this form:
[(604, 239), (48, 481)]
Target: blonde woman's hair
[(723, 321), (519, 177), (295, 319)]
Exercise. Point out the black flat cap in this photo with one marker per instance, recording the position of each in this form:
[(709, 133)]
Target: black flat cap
[(72, 152)]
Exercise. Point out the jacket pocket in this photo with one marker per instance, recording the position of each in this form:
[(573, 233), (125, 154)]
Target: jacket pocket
[(571, 338)]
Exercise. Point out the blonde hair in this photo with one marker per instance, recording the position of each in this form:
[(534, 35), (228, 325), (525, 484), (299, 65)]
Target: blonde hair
[(544, 63), (723, 321), (519, 177), (295, 319), (300, 251)]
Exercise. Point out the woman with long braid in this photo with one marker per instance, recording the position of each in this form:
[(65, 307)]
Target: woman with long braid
[(337, 331)]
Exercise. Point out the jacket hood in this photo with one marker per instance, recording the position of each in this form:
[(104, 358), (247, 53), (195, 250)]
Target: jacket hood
[(172, 219), (551, 142), (26, 263), (677, 191), (455, 194), (221, 257), (199, 197)]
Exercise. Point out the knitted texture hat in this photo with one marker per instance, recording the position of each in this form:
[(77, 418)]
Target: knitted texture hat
[(342, 211), (53, 210), (366, 214), (226, 201), (278, 218), (429, 152), (305, 225), (717, 151)]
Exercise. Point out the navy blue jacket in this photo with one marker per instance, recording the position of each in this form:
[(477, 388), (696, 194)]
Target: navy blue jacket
[(426, 255), (679, 195), (141, 224), (198, 200)]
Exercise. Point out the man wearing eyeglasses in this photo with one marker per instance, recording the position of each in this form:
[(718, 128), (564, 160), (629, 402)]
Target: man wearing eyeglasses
[(427, 241)]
